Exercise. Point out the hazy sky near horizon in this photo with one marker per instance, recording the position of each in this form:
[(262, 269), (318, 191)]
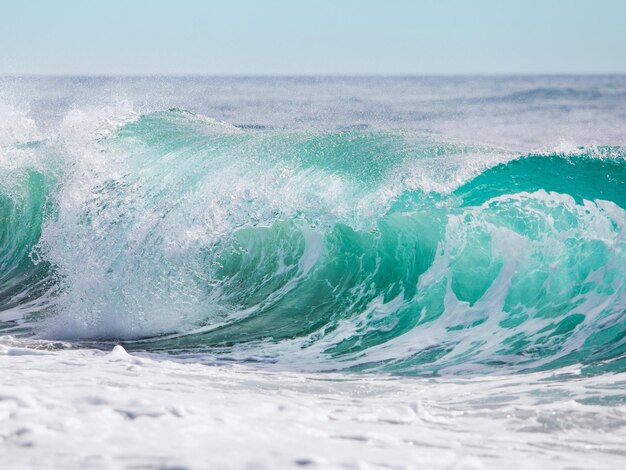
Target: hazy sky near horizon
[(323, 37)]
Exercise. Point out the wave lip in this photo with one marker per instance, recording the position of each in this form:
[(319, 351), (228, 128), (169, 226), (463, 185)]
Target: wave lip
[(354, 250)]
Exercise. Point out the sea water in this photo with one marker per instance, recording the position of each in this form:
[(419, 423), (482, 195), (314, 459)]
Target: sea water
[(439, 261)]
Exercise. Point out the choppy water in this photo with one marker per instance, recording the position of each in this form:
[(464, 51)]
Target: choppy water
[(408, 225)]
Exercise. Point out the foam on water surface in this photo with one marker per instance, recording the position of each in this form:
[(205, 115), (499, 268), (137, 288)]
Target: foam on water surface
[(124, 410)]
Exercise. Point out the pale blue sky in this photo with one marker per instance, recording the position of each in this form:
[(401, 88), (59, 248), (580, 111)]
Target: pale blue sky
[(326, 37)]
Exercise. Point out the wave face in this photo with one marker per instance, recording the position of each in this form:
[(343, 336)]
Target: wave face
[(22, 209), (350, 250)]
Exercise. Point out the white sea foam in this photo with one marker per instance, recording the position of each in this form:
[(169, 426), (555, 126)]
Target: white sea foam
[(16, 126), (119, 409)]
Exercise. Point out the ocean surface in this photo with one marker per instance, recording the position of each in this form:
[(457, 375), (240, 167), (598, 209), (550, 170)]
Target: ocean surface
[(461, 240)]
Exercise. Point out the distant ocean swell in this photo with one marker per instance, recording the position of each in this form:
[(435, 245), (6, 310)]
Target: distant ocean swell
[(331, 250)]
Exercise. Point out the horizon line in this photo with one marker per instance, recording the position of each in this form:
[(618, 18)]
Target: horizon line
[(321, 75)]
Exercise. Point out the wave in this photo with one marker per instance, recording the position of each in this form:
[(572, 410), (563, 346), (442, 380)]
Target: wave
[(553, 93), (351, 250)]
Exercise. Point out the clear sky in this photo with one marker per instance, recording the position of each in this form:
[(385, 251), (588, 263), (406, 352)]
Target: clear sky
[(325, 37)]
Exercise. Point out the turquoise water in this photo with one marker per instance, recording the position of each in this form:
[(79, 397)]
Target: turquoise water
[(365, 247)]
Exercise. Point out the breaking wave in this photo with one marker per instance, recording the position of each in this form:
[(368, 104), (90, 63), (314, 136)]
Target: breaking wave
[(329, 250)]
